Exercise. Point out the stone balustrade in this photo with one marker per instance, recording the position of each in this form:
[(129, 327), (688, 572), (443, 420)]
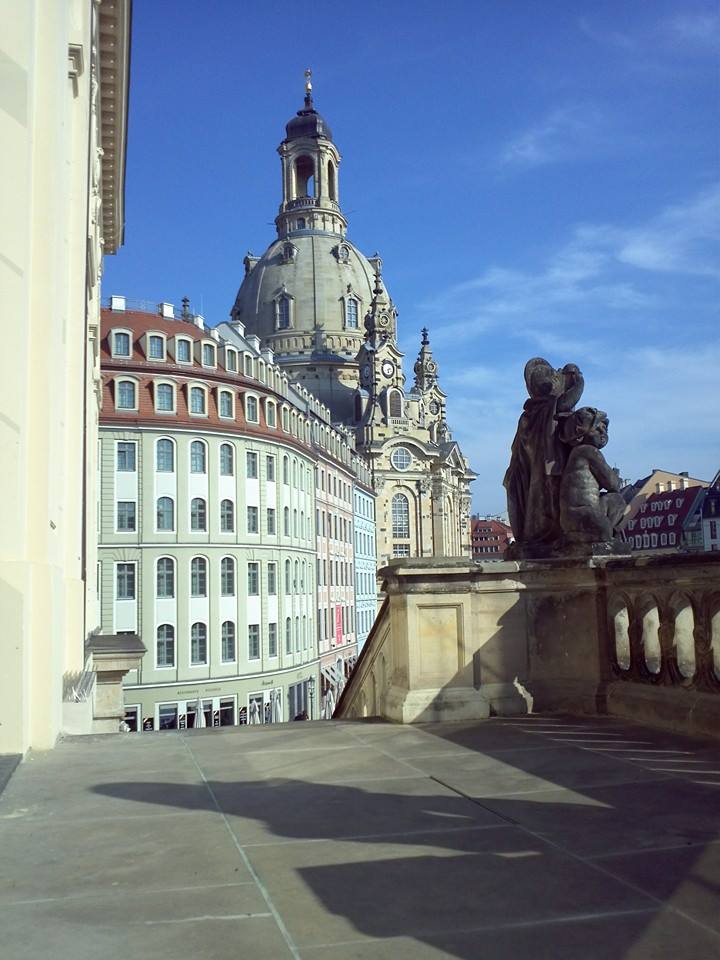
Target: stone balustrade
[(456, 640)]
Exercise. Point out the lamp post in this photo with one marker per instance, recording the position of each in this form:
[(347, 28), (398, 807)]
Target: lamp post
[(311, 692)]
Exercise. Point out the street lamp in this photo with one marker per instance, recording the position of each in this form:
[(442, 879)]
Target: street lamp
[(311, 692)]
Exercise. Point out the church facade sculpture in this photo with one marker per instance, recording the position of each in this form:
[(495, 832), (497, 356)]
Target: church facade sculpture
[(563, 497)]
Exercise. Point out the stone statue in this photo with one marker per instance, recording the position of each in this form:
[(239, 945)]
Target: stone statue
[(538, 455), (563, 498), (588, 515)]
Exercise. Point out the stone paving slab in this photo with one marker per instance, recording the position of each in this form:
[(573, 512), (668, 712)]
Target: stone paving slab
[(538, 837)]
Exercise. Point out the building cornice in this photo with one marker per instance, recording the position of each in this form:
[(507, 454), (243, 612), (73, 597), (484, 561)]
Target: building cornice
[(114, 27)]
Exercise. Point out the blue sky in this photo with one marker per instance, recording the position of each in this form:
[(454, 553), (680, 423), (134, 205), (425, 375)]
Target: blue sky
[(539, 178)]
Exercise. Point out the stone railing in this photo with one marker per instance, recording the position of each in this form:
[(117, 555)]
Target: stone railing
[(455, 640)]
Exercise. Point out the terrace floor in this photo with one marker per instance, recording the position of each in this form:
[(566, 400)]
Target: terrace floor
[(549, 838)]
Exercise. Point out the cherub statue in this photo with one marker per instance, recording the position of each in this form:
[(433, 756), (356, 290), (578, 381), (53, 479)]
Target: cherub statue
[(538, 455), (588, 515)]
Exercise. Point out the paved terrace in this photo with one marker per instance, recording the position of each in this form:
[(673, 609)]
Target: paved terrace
[(533, 838)]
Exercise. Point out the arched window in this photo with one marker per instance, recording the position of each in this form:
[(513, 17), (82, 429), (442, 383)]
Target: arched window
[(288, 636), (165, 514), (227, 577), (226, 403), (228, 641), (297, 634), (301, 223), (288, 577), (226, 460), (197, 457), (332, 182), (286, 470), (400, 515), (198, 644), (295, 523), (165, 646), (197, 400), (286, 521), (198, 514), (295, 578), (351, 313), (395, 404), (304, 633), (165, 578), (125, 397), (251, 410), (227, 516), (165, 456), (198, 577), (164, 398), (304, 176), (283, 313)]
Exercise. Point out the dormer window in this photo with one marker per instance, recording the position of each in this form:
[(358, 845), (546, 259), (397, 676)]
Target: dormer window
[(156, 347), (289, 252), (251, 409), (183, 350), (198, 403), (230, 360), (126, 395), (248, 365), (270, 413), (164, 398), (226, 404), (120, 343), (208, 355)]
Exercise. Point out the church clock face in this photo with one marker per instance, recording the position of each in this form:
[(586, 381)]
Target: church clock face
[(388, 368)]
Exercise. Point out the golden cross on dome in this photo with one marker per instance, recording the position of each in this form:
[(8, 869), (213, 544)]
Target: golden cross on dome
[(308, 82)]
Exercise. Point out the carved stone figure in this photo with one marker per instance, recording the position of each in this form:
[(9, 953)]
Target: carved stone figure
[(538, 456), (587, 514)]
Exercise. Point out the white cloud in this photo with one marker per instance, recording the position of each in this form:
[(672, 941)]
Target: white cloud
[(702, 28), (562, 135), (603, 300)]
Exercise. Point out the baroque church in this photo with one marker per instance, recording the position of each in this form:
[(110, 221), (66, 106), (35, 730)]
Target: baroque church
[(323, 308)]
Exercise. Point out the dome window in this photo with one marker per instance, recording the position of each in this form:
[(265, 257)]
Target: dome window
[(283, 313), (351, 313), (289, 253)]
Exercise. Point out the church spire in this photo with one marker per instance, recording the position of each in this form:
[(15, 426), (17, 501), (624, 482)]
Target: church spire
[(310, 161), (425, 367), (380, 318)]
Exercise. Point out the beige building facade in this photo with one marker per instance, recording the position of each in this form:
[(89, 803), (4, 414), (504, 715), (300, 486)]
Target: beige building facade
[(63, 126)]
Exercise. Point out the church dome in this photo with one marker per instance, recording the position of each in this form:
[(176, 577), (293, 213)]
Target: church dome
[(307, 123), (318, 274)]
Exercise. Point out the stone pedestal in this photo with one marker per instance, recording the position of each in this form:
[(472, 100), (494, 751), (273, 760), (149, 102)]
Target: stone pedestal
[(113, 657)]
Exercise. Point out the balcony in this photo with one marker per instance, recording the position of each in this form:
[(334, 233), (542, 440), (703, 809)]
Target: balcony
[(301, 203), (516, 838)]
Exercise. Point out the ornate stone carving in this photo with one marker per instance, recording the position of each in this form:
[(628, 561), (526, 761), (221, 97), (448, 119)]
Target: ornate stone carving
[(563, 498)]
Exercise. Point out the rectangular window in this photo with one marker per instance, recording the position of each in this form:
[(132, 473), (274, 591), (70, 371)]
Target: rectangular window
[(401, 549), (253, 579), (228, 641), (270, 415), (183, 351), (230, 360), (270, 469), (272, 579), (251, 461), (156, 348), (254, 641), (125, 581), (126, 457), (252, 520), (126, 516), (272, 640), (271, 524)]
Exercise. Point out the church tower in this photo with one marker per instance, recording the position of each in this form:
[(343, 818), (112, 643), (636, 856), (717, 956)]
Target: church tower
[(324, 309), (305, 297)]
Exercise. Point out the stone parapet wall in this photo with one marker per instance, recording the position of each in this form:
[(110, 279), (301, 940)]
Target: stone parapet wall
[(638, 637)]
